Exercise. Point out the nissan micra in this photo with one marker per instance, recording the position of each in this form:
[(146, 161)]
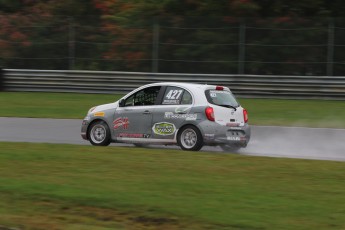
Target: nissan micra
[(189, 115)]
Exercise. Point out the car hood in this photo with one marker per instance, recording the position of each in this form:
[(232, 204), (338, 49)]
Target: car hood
[(104, 107)]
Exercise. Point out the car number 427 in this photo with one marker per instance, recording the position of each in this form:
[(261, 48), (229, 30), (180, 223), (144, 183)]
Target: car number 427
[(174, 94)]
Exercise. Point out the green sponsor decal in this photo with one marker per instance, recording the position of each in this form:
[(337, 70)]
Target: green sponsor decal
[(164, 128)]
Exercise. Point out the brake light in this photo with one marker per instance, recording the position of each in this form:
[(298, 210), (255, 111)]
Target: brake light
[(245, 115), (219, 87), (209, 113)]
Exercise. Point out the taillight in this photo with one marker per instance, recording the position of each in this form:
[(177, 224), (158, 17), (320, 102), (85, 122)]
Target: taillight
[(209, 113), (245, 116), (219, 87)]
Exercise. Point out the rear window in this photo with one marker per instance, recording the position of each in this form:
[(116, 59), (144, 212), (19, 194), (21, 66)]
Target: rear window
[(221, 98)]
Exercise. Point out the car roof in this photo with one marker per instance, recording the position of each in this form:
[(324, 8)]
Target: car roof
[(183, 84), (193, 88)]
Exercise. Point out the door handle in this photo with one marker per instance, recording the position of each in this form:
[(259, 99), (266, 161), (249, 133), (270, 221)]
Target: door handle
[(146, 112)]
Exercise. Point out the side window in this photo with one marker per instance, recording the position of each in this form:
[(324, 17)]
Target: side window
[(145, 96), (130, 101), (176, 96), (186, 98)]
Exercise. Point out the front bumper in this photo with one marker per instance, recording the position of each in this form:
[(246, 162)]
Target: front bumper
[(84, 127)]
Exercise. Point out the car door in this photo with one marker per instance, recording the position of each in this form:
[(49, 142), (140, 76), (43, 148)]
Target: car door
[(173, 110), (133, 118)]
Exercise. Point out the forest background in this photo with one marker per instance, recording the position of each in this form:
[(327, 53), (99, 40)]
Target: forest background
[(304, 37)]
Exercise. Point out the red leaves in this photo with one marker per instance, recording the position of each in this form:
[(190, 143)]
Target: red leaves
[(244, 8), (108, 6), (10, 34), (285, 19), (17, 36)]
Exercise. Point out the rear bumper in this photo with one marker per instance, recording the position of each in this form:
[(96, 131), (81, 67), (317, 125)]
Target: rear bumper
[(224, 135)]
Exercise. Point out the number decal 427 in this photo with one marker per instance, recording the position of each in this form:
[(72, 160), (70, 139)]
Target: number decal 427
[(174, 94)]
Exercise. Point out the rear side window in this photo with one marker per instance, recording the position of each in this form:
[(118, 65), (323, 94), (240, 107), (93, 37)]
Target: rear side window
[(176, 96), (221, 98)]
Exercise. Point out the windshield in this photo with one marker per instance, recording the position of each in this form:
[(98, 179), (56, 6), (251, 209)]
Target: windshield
[(221, 98)]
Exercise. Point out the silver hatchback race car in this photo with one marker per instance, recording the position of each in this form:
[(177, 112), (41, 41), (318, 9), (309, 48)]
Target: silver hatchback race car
[(190, 115)]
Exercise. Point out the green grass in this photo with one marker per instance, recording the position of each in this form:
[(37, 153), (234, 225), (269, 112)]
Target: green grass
[(313, 113), (48, 186), (50, 105)]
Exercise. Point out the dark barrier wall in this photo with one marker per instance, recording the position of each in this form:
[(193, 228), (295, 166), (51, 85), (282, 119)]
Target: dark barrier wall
[(254, 86), (2, 87)]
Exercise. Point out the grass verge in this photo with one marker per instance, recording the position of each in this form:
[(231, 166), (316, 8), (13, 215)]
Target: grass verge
[(51, 105), (49, 186), (312, 113)]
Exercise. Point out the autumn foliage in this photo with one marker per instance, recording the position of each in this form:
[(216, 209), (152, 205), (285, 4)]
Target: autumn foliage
[(196, 36)]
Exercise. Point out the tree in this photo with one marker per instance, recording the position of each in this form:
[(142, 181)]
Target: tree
[(280, 37)]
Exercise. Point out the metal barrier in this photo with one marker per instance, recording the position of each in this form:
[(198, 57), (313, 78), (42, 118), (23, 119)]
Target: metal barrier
[(1, 80), (253, 86)]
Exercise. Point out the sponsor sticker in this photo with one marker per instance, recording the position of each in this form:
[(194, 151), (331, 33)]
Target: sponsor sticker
[(209, 136), (234, 124), (134, 135), (233, 138), (170, 102), (121, 122), (99, 114), (188, 117), (164, 128), (235, 128), (213, 92)]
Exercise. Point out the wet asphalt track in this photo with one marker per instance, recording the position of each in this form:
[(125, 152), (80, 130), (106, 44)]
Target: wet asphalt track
[(292, 142)]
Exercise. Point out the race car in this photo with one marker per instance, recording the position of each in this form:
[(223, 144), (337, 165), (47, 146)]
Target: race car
[(189, 115)]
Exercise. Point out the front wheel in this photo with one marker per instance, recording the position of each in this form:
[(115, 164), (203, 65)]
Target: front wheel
[(190, 138), (99, 134)]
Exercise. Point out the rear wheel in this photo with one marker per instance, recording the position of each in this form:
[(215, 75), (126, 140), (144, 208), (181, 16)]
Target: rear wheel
[(189, 138), (99, 134)]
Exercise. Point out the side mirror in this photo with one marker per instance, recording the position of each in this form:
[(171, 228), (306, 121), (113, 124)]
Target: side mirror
[(122, 103)]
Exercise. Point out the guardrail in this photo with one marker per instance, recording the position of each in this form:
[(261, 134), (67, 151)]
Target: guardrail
[(255, 86)]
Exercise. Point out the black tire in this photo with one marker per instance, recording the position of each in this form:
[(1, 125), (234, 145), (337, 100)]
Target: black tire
[(99, 134), (189, 138)]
